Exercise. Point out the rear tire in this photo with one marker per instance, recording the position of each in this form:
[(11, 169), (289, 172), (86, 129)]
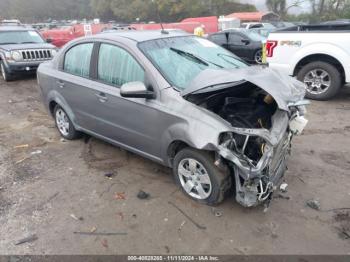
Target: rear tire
[(203, 182), (323, 80), (258, 57), (64, 124), (4, 73)]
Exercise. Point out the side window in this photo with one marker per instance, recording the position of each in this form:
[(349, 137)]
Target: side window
[(219, 39), (77, 60), (256, 26), (117, 67), (235, 39)]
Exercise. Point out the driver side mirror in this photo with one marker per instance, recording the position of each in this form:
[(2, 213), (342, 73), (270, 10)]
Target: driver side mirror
[(136, 90), (49, 40)]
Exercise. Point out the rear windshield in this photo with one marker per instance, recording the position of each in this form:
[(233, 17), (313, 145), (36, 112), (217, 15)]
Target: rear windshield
[(20, 37), (253, 35)]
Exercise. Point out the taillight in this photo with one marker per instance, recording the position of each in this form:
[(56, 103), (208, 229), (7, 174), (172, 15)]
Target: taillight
[(270, 46)]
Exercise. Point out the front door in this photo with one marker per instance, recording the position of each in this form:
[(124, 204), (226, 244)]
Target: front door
[(132, 122)]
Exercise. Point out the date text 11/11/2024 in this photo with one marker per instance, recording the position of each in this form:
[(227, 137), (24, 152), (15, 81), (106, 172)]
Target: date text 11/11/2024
[(173, 258)]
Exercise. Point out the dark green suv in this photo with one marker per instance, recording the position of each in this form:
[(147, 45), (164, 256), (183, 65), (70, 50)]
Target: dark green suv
[(22, 50)]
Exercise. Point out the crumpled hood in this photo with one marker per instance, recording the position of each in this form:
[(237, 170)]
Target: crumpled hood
[(284, 89), (13, 47)]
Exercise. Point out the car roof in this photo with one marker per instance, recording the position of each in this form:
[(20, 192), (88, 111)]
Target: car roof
[(230, 30), (14, 28), (241, 30), (253, 23), (141, 36)]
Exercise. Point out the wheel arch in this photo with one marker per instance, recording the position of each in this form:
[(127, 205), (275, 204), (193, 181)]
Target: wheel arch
[(258, 49), (320, 58), (175, 147), (52, 105), (53, 99)]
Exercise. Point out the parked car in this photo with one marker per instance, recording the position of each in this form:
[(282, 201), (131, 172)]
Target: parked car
[(252, 25), (317, 55), (242, 42), (22, 49), (114, 29), (338, 21), (183, 102), (282, 24), (10, 22), (264, 32), (267, 28), (61, 35)]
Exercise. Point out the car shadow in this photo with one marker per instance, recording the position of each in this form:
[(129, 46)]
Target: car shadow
[(343, 95)]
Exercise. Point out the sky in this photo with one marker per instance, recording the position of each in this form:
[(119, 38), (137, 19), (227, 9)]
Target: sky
[(260, 4)]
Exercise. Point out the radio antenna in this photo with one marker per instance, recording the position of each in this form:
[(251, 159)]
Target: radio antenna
[(160, 19)]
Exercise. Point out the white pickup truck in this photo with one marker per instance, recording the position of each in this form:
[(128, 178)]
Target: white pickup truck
[(319, 56)]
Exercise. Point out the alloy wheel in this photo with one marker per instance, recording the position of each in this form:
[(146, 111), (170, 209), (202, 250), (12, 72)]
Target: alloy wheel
[(258, 57), (62, 122), (3, 71), (317, 81), (194, 179)]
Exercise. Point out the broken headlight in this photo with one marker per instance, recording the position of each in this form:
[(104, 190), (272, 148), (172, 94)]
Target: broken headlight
[(247, 147)]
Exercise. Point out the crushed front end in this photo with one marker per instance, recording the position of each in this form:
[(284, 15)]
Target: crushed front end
[(258, 157), (264, 110)]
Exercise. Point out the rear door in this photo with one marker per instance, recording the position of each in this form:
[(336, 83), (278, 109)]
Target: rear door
[(73, 81)]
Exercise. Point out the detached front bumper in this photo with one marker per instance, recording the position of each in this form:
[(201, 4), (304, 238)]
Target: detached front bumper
[(255, 182), (258, 189)]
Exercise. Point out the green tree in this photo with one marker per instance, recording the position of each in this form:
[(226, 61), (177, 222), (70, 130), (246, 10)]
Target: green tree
[(120, 10), (102, 9), (39, 10), (329, 9), (324, 11), (281, 8), (173, 10), (277, 6)]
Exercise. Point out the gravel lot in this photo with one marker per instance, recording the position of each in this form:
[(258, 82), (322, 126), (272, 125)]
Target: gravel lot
[(53, 188)]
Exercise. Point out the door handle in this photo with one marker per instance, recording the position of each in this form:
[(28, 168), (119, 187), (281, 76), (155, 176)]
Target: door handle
[(60, 83), (102, 97)]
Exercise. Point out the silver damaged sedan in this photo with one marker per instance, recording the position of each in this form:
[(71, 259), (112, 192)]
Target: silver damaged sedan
[(184, 102)]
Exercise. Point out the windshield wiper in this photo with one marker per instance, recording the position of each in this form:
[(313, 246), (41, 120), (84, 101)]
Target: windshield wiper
[(194, 57), (230, 62), (29, 43), (9, 43), (189, 55)]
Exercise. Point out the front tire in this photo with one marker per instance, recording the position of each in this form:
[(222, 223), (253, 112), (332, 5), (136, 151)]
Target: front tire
[(323, 80), (64, 124), (4, 73), (194, 171)]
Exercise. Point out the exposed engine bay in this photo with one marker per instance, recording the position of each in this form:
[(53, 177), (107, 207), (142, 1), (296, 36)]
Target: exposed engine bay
[(244, 106), (257, 149)]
